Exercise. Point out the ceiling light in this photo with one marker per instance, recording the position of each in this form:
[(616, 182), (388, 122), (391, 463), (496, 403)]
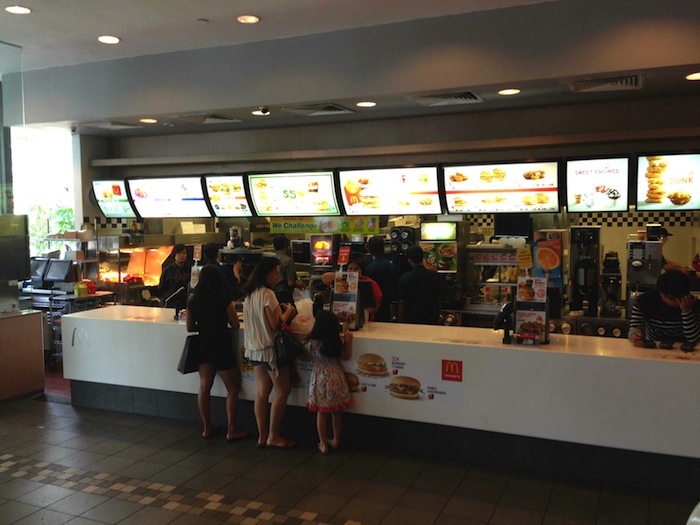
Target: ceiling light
[(509, 92), (366, 104), (262, 111), (148, 120), (109, 39), (248, 19), (693, 76), (18, 10)]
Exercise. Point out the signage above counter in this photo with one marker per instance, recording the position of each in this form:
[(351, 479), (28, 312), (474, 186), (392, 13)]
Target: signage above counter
[(178, 197), (227, 195), (391, 191), (293, 194), (668, 182), (597, 184), (112, 199), (502, 188)]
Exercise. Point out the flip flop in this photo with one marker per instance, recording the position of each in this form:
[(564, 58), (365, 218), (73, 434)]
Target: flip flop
[(285, 445), (237, 437), (261, 445)]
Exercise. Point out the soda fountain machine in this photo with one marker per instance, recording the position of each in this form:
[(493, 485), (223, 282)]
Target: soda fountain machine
[(585, 269), (611, 286), (644, 265)]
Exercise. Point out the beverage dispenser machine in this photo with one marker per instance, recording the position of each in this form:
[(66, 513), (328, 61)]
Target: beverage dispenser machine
[(585, 269), (644, 263)]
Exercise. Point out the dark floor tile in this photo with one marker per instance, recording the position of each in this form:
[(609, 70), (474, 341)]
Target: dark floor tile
[(585, 508), (78, 503), (16, 487), (111, 464), (344, 486), (45, 517), (45, 495), (508, 515), (444, 519), (112, 511), (83, 521), (304, 477), (208, 481), (383, 492), (365, 511), (82, 459), (53, 454), (470, 508), (150, 516), (423, 500), (283, 495), (406, 516), (168, 456), (174, 475), (669, 508), (323, 502), (142, 470), (245, 488), (13, 511), (564, 519), (623, 507), (270, 473)]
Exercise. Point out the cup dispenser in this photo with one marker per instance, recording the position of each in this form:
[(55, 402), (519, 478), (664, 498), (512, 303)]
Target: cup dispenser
[(585, 269)]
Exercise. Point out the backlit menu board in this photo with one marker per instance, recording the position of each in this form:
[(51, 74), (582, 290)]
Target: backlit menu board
[(668, 182), (597, 185), (112, 199), (391, 191), (293, 194), (527, 187), (168, 197), (226, 195)]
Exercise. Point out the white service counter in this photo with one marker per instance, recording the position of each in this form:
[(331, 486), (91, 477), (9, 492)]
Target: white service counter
[(588, 390)]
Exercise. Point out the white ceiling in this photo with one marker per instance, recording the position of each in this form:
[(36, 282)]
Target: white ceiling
[(64, 33)]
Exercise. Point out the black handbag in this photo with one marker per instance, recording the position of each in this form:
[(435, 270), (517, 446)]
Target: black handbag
[(287, 348), (189, 359)]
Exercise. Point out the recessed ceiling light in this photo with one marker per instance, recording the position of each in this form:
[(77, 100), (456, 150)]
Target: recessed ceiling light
[(693, 76), (509, 92), (109, 39), (148, 120), (366, 104), (18, 10), (248, 19)]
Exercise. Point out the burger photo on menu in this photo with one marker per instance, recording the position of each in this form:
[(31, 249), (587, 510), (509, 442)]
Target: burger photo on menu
[(353, 381), (404, 387), (371, 365)]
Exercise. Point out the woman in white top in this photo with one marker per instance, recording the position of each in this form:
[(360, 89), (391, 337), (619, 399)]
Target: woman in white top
[(262, 314)]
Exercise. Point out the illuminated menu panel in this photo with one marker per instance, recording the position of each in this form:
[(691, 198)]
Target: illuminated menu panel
[(293, 194), (668, 182), (527, 187), (391, 191), (226, 194), (112, 198), (597, 185), (168, 197)]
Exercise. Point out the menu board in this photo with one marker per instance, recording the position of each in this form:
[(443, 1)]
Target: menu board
[(597, 185), (668, 183), (391, 191), (527, 187), (226, 195), (293, 194), (168, 197), (112, 199)]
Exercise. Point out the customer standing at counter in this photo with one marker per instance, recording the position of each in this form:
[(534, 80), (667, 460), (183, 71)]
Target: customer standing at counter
[(386, 276), (667, 314), (420, 291), (234, 279), (284, 289), (175, 276), (262, 315), (210, 311)]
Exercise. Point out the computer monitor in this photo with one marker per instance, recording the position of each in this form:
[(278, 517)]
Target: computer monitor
[(59, 270)]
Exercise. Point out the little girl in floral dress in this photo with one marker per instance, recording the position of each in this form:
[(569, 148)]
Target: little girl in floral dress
[(328, 389)]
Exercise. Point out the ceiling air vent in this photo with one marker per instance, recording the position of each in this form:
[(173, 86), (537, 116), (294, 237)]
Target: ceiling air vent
[(624, 83), (112, 125), (317, 110), (448, 99), (208, 119)]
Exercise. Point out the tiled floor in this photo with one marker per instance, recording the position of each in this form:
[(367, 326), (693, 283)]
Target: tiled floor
[(59, 464)]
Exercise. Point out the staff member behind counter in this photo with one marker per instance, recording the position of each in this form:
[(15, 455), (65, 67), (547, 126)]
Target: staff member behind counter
[(233, 277), (175, 276), (666, 264), (667, 314)]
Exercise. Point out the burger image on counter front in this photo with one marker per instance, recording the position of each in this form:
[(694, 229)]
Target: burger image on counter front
[(404, 387), (371, 365), (353, 381)]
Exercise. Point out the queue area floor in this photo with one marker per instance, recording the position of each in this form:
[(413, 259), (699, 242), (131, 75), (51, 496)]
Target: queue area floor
[(65, 465)]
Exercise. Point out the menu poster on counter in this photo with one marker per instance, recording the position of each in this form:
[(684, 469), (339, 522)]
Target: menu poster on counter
[(168, 197), (668, 183), (391, 191), (597, 185), (227, 195), (293, 194), (112, 199), (440, 256), (527, 187)]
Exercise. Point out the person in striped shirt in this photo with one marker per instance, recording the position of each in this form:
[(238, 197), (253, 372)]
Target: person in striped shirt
[(668, 314)]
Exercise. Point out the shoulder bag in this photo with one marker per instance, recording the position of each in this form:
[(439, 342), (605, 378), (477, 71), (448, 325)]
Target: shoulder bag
[(287, 348), (189, 359)]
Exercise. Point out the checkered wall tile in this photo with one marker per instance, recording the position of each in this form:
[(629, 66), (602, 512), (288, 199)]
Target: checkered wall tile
[(669, 219), (104, 223)]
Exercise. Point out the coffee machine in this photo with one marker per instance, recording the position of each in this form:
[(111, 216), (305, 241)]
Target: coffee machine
[(611, 286), (585, 269), (644, 263)]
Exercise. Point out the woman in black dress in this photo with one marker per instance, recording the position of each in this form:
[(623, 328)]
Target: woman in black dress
[(210, 311)]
